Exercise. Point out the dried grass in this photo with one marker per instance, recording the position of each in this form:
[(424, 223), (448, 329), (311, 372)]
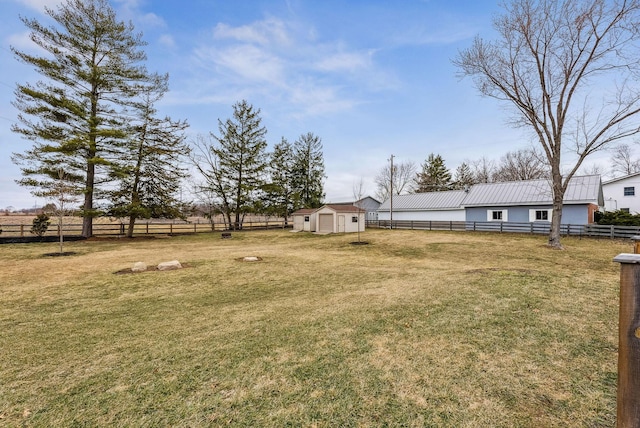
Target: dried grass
[(414, 329)]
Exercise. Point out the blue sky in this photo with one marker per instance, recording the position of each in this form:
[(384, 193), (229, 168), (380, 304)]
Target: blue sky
[(370, 77)]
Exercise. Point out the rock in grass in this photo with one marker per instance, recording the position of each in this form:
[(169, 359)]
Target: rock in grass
[(139, 267), (172, 265)]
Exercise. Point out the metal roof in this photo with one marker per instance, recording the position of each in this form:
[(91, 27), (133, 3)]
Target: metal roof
[(624, 177), (447, 200), (582, 189)]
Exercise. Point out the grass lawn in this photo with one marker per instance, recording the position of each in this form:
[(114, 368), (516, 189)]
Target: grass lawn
[(418, 328)]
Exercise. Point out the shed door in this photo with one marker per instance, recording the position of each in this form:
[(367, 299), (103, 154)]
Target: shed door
[(326, 223), (298, 222), (341, 224)]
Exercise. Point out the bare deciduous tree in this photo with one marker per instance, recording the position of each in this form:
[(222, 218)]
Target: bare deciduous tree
[(545, 62), (524, 164), (623, 162), (403, 173), (483, 170)]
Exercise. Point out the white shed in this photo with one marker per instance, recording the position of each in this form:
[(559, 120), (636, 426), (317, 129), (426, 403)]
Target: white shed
[(340, 219), (304, 220)]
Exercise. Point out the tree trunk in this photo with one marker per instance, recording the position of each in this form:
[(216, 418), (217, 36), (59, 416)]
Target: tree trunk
[(132, 224), (87, 220), (556, 218)]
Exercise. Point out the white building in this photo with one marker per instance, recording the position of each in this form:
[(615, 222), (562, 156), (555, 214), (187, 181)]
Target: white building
[(622, 193)]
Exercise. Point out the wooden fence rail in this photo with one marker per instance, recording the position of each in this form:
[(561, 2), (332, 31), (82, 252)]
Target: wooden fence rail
[(143, 228), (590, 230)]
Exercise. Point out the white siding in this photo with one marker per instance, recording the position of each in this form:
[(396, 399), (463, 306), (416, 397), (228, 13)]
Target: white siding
[(615, 199)]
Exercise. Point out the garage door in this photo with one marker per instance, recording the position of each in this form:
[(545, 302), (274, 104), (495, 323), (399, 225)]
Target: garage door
[(326, 223)]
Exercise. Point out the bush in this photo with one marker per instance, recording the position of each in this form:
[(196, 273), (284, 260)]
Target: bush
[(618, 218), (40, 225)]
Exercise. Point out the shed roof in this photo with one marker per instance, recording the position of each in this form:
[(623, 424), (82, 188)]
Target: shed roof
[(581, 190), (304, 211), (343, 208), (447, 200)]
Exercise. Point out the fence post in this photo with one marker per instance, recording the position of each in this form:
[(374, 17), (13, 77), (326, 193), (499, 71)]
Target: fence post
[(171, 228), (21, 230), (628, 405), (147, 228), (613, 232)]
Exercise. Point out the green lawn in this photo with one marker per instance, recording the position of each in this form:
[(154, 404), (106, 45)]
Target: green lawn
[(415, 329)]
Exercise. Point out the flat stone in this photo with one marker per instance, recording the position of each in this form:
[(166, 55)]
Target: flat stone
[(139, 267), (251, 259), (172, 265)]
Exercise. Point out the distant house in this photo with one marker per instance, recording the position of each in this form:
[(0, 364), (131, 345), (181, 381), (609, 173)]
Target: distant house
[(332, 218), (514, 201), (622, 193), (532, 201), (431, 206), (368, 204)]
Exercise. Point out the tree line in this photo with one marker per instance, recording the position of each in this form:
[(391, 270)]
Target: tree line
[(240, 177), (98, 140), (434, 176)]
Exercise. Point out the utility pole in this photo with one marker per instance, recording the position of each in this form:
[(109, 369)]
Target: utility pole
[(391, 193)]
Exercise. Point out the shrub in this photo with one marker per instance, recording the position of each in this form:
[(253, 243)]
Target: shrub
[(618, 218), (40, 225)]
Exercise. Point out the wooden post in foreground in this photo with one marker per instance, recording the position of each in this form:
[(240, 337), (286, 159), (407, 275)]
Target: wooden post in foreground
[(628, 408)]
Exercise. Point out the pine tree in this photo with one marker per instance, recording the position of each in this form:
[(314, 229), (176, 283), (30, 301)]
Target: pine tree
[(74, 115), (433, 177), (241, 160), (308, 172), (463, 177), (278, 192), (149, 169)]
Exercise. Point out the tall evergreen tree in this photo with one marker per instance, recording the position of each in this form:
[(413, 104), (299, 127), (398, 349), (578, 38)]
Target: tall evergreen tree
[(433, 177), (308, 173), (149, 168), (278, 191), (73, 116), (241, 160), (463, 177)]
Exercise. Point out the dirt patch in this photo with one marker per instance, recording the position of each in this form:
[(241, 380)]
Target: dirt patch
[(59, 254), (359, 243), (485, 271)]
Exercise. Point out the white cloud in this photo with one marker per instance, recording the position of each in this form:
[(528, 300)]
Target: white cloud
[(281, 61), (347, 61), (167, 41), (39, 5), (267, 32)]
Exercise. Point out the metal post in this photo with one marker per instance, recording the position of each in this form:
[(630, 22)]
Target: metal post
[(628, 408), (391, 193)]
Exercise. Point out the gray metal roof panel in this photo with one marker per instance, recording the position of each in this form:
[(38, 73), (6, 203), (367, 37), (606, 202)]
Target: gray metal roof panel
[(581, 189), (447, 200)]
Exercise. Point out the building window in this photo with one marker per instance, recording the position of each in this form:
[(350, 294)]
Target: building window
[(624, 210), (629, 191), (539, 215), (497, 215), (542, 215), (354, 219), (306, 218)]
